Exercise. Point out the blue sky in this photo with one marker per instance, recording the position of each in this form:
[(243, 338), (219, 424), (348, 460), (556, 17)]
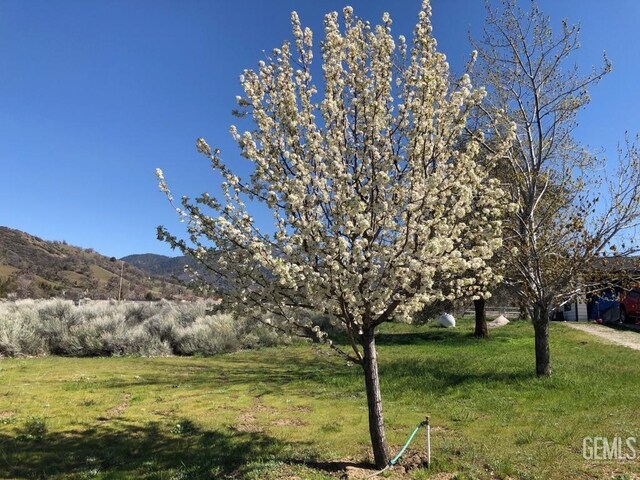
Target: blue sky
[(94, 95)]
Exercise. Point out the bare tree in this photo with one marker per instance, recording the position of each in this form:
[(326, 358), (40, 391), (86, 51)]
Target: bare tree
[(568, 212)]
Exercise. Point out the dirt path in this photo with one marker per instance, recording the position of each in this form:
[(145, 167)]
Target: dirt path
[(625, 338)]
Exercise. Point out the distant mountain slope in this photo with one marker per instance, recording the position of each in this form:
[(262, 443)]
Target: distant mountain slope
[(174, 268), (162, 265), (34, 268)]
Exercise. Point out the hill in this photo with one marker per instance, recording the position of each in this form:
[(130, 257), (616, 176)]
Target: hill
[(161, 265), (173, 268), (34, 268)]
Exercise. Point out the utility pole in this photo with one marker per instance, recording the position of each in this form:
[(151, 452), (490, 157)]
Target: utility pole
[(121, 275)]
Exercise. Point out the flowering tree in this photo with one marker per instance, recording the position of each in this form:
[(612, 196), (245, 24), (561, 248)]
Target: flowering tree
[(377, 208)]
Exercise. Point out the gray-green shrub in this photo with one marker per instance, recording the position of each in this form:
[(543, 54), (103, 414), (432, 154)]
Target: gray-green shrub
[(105, 328)]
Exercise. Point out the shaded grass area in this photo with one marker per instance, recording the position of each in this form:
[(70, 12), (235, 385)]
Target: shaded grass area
[(297, 412), (131, 450)]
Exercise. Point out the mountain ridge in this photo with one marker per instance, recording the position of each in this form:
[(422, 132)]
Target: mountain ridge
[(162, 265), (31, 267)]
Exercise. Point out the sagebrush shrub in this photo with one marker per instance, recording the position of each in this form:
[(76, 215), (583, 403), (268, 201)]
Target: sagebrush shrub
[(106, 328)]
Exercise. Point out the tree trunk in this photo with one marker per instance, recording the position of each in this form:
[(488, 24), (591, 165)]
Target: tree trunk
[(541, 329), (481, 330), (523, 314), (374, 400)]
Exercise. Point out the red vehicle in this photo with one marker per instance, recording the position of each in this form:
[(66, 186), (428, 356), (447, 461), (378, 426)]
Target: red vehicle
[(630, 306)]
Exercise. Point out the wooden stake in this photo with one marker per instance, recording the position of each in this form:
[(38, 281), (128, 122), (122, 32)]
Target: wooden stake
[(428, 425)]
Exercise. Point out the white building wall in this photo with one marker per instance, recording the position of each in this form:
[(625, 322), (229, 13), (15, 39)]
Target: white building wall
[(570, 312)]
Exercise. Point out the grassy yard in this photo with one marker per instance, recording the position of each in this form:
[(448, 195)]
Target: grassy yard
[(295, 412)]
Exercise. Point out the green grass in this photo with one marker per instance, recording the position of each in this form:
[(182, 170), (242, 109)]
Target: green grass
[(297, 412), (100, 273), (72, 277)]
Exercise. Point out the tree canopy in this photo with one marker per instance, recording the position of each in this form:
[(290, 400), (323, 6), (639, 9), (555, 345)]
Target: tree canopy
[(378, 204)]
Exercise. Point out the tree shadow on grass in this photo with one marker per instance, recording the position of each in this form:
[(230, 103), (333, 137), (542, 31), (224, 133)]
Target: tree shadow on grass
[(435, 335), (437, 376), (269, 376), (132, 451), (480, 361), (459, 336), (265, 377)]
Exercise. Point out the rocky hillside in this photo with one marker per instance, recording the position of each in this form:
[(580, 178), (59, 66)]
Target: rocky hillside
[(34, 268)]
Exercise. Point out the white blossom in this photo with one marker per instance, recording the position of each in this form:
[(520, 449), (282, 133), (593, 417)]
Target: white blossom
[(379, 198)]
